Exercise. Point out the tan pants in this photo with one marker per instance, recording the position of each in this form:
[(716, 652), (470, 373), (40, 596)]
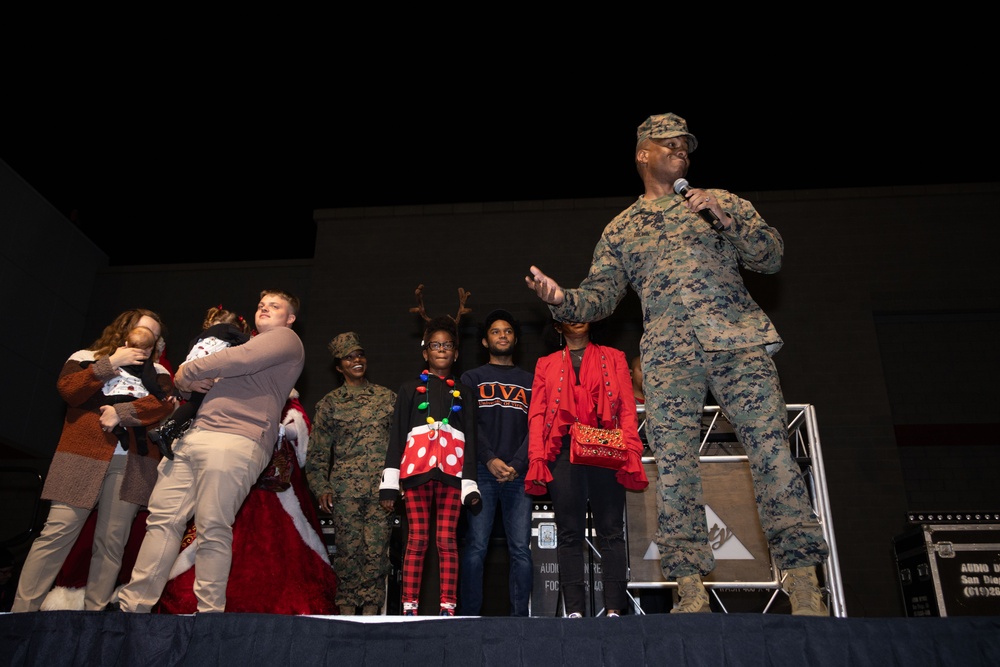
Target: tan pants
[(62, 528), (209, 478)]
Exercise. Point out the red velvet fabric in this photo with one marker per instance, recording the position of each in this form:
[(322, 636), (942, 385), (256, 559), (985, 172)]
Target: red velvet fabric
[(280, 563), (275, 571)]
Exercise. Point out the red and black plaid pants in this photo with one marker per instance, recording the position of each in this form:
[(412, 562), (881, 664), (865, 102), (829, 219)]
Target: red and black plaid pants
[(447, 501)]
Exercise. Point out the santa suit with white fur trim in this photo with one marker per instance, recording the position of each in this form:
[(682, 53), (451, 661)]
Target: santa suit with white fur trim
[(280, 559), (433, 463)]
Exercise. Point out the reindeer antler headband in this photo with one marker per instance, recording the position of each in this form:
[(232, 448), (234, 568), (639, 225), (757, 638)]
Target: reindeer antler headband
[(463, 296)]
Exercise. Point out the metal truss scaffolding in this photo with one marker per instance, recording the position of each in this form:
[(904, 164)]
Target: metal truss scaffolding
[(745, 577)]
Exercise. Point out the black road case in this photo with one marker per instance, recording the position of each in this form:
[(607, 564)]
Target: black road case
[(950, 569)]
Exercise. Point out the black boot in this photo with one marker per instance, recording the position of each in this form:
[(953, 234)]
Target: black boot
[(165, 435), (160, 436)]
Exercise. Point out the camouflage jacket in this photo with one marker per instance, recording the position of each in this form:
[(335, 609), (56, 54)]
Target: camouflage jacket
[(349, 440), (686, 274)]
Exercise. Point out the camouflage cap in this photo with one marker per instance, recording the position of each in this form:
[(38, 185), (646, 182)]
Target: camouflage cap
[(665, 126), (345, 343)]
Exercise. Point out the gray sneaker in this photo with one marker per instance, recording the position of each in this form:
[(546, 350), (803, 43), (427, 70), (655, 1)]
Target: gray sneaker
[(693, 598), (802, 587)]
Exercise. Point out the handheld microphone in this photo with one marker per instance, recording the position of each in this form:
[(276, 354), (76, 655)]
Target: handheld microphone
[(681, 187)]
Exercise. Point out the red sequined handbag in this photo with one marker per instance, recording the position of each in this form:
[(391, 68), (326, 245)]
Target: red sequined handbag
[(604, 447)]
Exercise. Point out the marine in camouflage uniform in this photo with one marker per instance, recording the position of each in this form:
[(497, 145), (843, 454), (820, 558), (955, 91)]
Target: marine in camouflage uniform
[(344, 467), (701, 329)]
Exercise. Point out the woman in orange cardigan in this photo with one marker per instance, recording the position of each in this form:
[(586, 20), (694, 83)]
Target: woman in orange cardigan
[(588, 383), (106, 385)]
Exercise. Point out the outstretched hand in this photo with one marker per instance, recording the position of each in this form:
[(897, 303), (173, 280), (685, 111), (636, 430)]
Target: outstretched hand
[(546, 288)]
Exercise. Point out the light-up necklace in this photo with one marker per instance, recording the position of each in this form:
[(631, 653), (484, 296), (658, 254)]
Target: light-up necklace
[(426, 405)]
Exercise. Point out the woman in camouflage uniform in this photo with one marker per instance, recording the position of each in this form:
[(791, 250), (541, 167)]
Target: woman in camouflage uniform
[(344, 467)]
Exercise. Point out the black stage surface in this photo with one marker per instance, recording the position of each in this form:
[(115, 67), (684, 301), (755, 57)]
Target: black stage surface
[(711, 640)]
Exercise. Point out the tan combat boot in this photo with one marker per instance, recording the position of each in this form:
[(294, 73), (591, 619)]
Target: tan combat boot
[(347, 610), (370, 610), (803, 591), (693, 598)]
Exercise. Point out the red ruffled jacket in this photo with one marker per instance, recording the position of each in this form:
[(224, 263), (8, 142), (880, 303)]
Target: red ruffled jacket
[(606, 393)]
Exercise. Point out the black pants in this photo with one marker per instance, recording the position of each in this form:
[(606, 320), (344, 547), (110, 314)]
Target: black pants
[(570, 489), (187, 411)]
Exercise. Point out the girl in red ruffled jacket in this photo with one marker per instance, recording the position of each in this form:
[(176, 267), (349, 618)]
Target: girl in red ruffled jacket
[(588, 383)]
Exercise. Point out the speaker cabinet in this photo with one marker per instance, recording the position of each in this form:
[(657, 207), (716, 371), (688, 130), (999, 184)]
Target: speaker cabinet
[(545, 599), (950, 570)]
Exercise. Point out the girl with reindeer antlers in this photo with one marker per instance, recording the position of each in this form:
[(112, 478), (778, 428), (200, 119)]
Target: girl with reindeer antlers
[(431, 458)]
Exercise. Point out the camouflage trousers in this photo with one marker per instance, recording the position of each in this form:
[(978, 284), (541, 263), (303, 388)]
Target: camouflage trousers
[(361, 533), (745, 384)]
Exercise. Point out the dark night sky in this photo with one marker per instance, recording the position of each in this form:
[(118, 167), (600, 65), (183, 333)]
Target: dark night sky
[(190, 139), (231, 181)]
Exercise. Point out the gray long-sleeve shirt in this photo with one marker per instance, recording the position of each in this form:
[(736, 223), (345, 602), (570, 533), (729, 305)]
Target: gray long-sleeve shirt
[(255, 380)]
